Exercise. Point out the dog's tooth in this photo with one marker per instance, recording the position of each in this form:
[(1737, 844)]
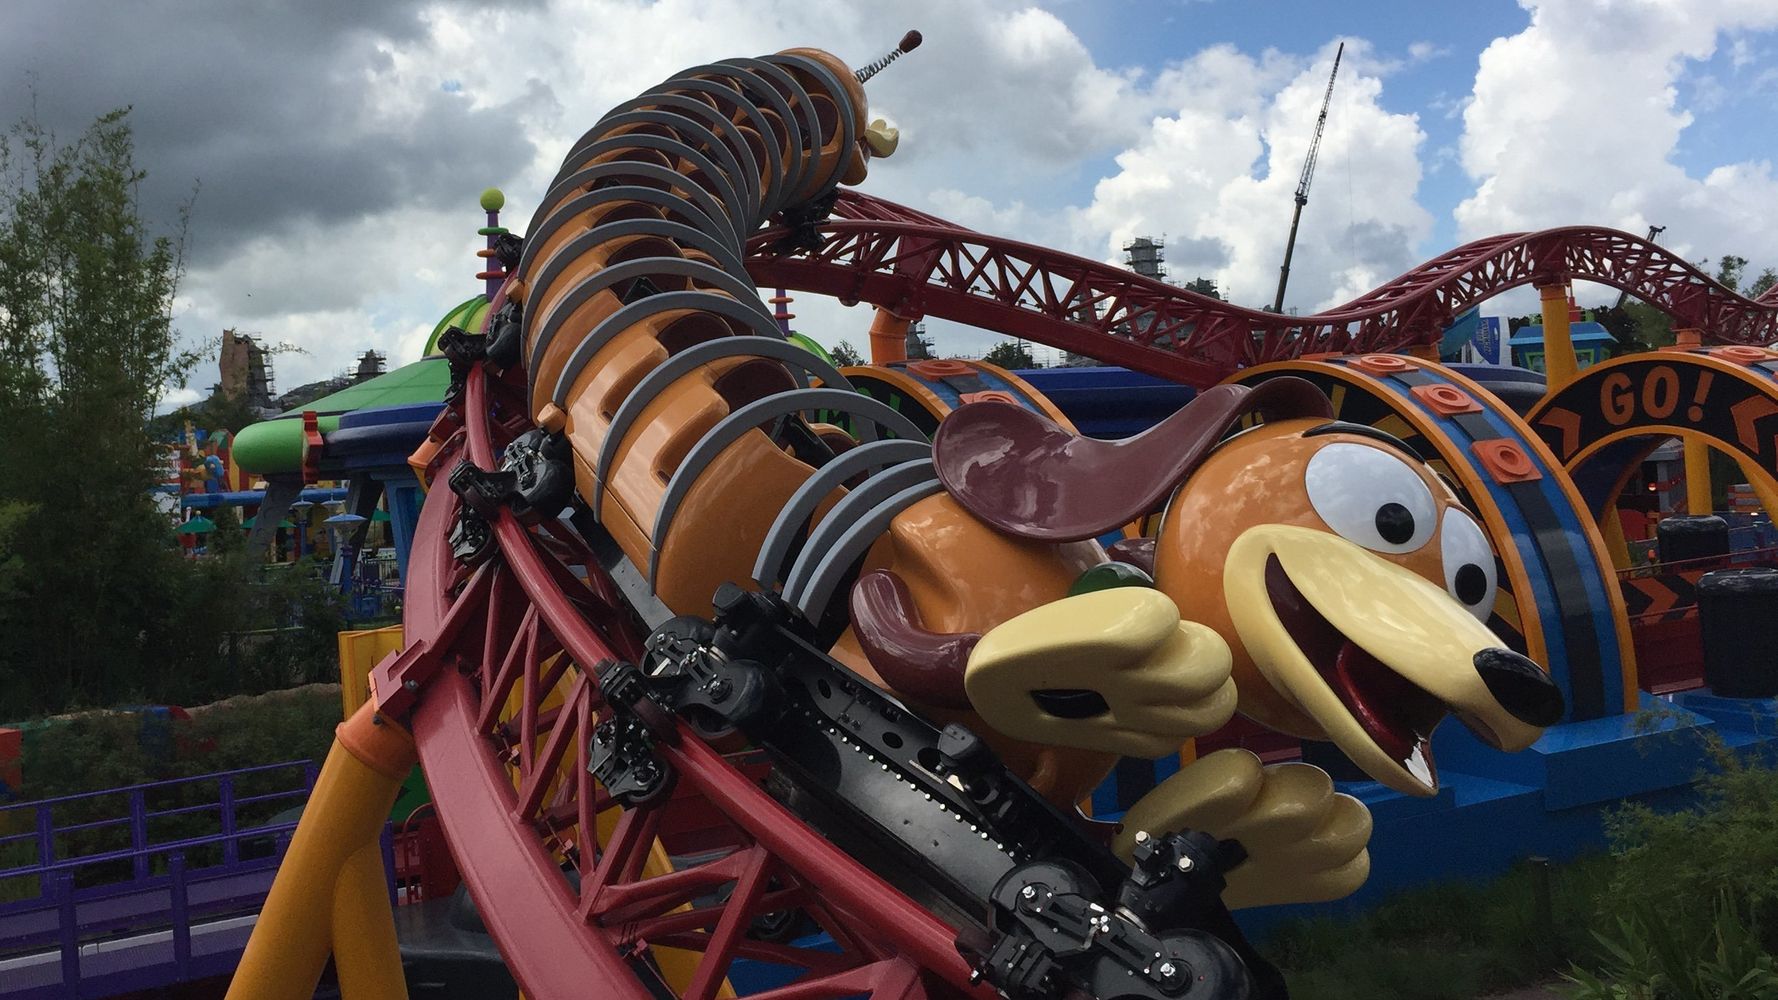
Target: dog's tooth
[(1418, 766)]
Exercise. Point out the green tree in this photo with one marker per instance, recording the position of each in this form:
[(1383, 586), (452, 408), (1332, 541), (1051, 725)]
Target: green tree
[(1763, 283), (13, 515), (844, 354), (1728, 271), (1653, 327), (219, 412), (1010, 354), (86, 346), (227, 539)]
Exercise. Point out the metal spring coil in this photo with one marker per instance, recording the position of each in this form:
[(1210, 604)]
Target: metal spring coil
[(644, 228)]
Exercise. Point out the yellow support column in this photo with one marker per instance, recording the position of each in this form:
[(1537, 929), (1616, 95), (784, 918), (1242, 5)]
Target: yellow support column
[(1559, 364), (1612, 530), (1697, 447), (1761, 486), (330, 895), (1697, 475), (359, 652), (366, 955)]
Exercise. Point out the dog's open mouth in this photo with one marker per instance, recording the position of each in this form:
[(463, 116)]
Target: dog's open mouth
[(1397, 714)]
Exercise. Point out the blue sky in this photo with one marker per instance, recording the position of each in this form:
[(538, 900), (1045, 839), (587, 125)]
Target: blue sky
[(1733, 95)]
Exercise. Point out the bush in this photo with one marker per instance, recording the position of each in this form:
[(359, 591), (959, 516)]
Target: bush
[(1652, 959), (1691, 911), (101, 750), (1726, 848), (1447, 940), (98, 751)]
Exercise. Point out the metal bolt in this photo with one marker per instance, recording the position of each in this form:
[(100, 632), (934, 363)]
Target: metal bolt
[(412, 686), (1184, 864), (1028, 893), (1142, 836), (1168, 970)]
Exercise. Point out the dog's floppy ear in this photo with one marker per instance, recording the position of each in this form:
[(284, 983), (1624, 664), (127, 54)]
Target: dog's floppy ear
[(1020, 472)]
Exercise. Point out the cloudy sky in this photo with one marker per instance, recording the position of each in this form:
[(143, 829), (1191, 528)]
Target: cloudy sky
[(339, 146)]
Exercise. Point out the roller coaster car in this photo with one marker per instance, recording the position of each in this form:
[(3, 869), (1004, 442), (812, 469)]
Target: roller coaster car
[(933, 658), (1296, 550)]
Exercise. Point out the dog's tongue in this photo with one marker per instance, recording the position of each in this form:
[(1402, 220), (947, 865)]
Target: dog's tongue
[(1380, 699)]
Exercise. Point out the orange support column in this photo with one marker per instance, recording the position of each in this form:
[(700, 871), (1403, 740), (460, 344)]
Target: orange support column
[(888, 337)]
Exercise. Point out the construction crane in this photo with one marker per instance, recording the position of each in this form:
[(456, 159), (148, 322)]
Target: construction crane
[(1653, 231), (1302, 185)]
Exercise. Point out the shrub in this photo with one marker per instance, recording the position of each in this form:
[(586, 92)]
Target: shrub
[(1679, 867)]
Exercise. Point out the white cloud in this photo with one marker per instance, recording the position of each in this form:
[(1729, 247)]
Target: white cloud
[(1217, 173), (175, 398), (1011, 126), (1002, 101), (1419, 52), (380, 283), (1740, 53), (1578, 119)]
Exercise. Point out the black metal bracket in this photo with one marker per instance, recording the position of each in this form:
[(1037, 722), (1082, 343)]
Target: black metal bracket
[(509, 248), (506, 335), (1176, 880), (461, 349), (1049, 939), (717, 695), (542, 464), (803, 224), (622, 753), (936, 812), (471, 539), (535, 479)]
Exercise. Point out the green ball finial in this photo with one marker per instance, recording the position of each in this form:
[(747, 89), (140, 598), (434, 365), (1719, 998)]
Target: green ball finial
[(492, 200)]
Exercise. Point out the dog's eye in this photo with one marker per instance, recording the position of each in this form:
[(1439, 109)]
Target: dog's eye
[(1469, 563), (1368, 496)]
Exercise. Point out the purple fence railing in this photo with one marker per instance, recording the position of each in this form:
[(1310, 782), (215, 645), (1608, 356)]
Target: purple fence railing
[(114, 907)]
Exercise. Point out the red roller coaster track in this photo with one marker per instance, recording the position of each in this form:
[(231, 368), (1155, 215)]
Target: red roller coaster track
[(498, 643), (508, 647), (915, 264)]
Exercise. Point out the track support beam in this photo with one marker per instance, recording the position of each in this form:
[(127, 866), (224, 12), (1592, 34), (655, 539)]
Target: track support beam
[(329, 896)]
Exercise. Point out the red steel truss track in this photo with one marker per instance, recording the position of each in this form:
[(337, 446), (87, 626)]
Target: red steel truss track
[(915, 264), (560, 872)]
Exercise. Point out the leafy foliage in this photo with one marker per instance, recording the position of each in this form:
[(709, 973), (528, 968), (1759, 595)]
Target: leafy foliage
[(1452, 941), (1723, 853), (1010, 354), (218, 412), (97, 605), (1652, 958), (1685, 907), (1729, 270), (104, 750), (86, 344), (845, 355)]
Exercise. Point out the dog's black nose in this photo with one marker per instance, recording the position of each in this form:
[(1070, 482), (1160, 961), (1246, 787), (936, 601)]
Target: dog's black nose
[(1521, 686)]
